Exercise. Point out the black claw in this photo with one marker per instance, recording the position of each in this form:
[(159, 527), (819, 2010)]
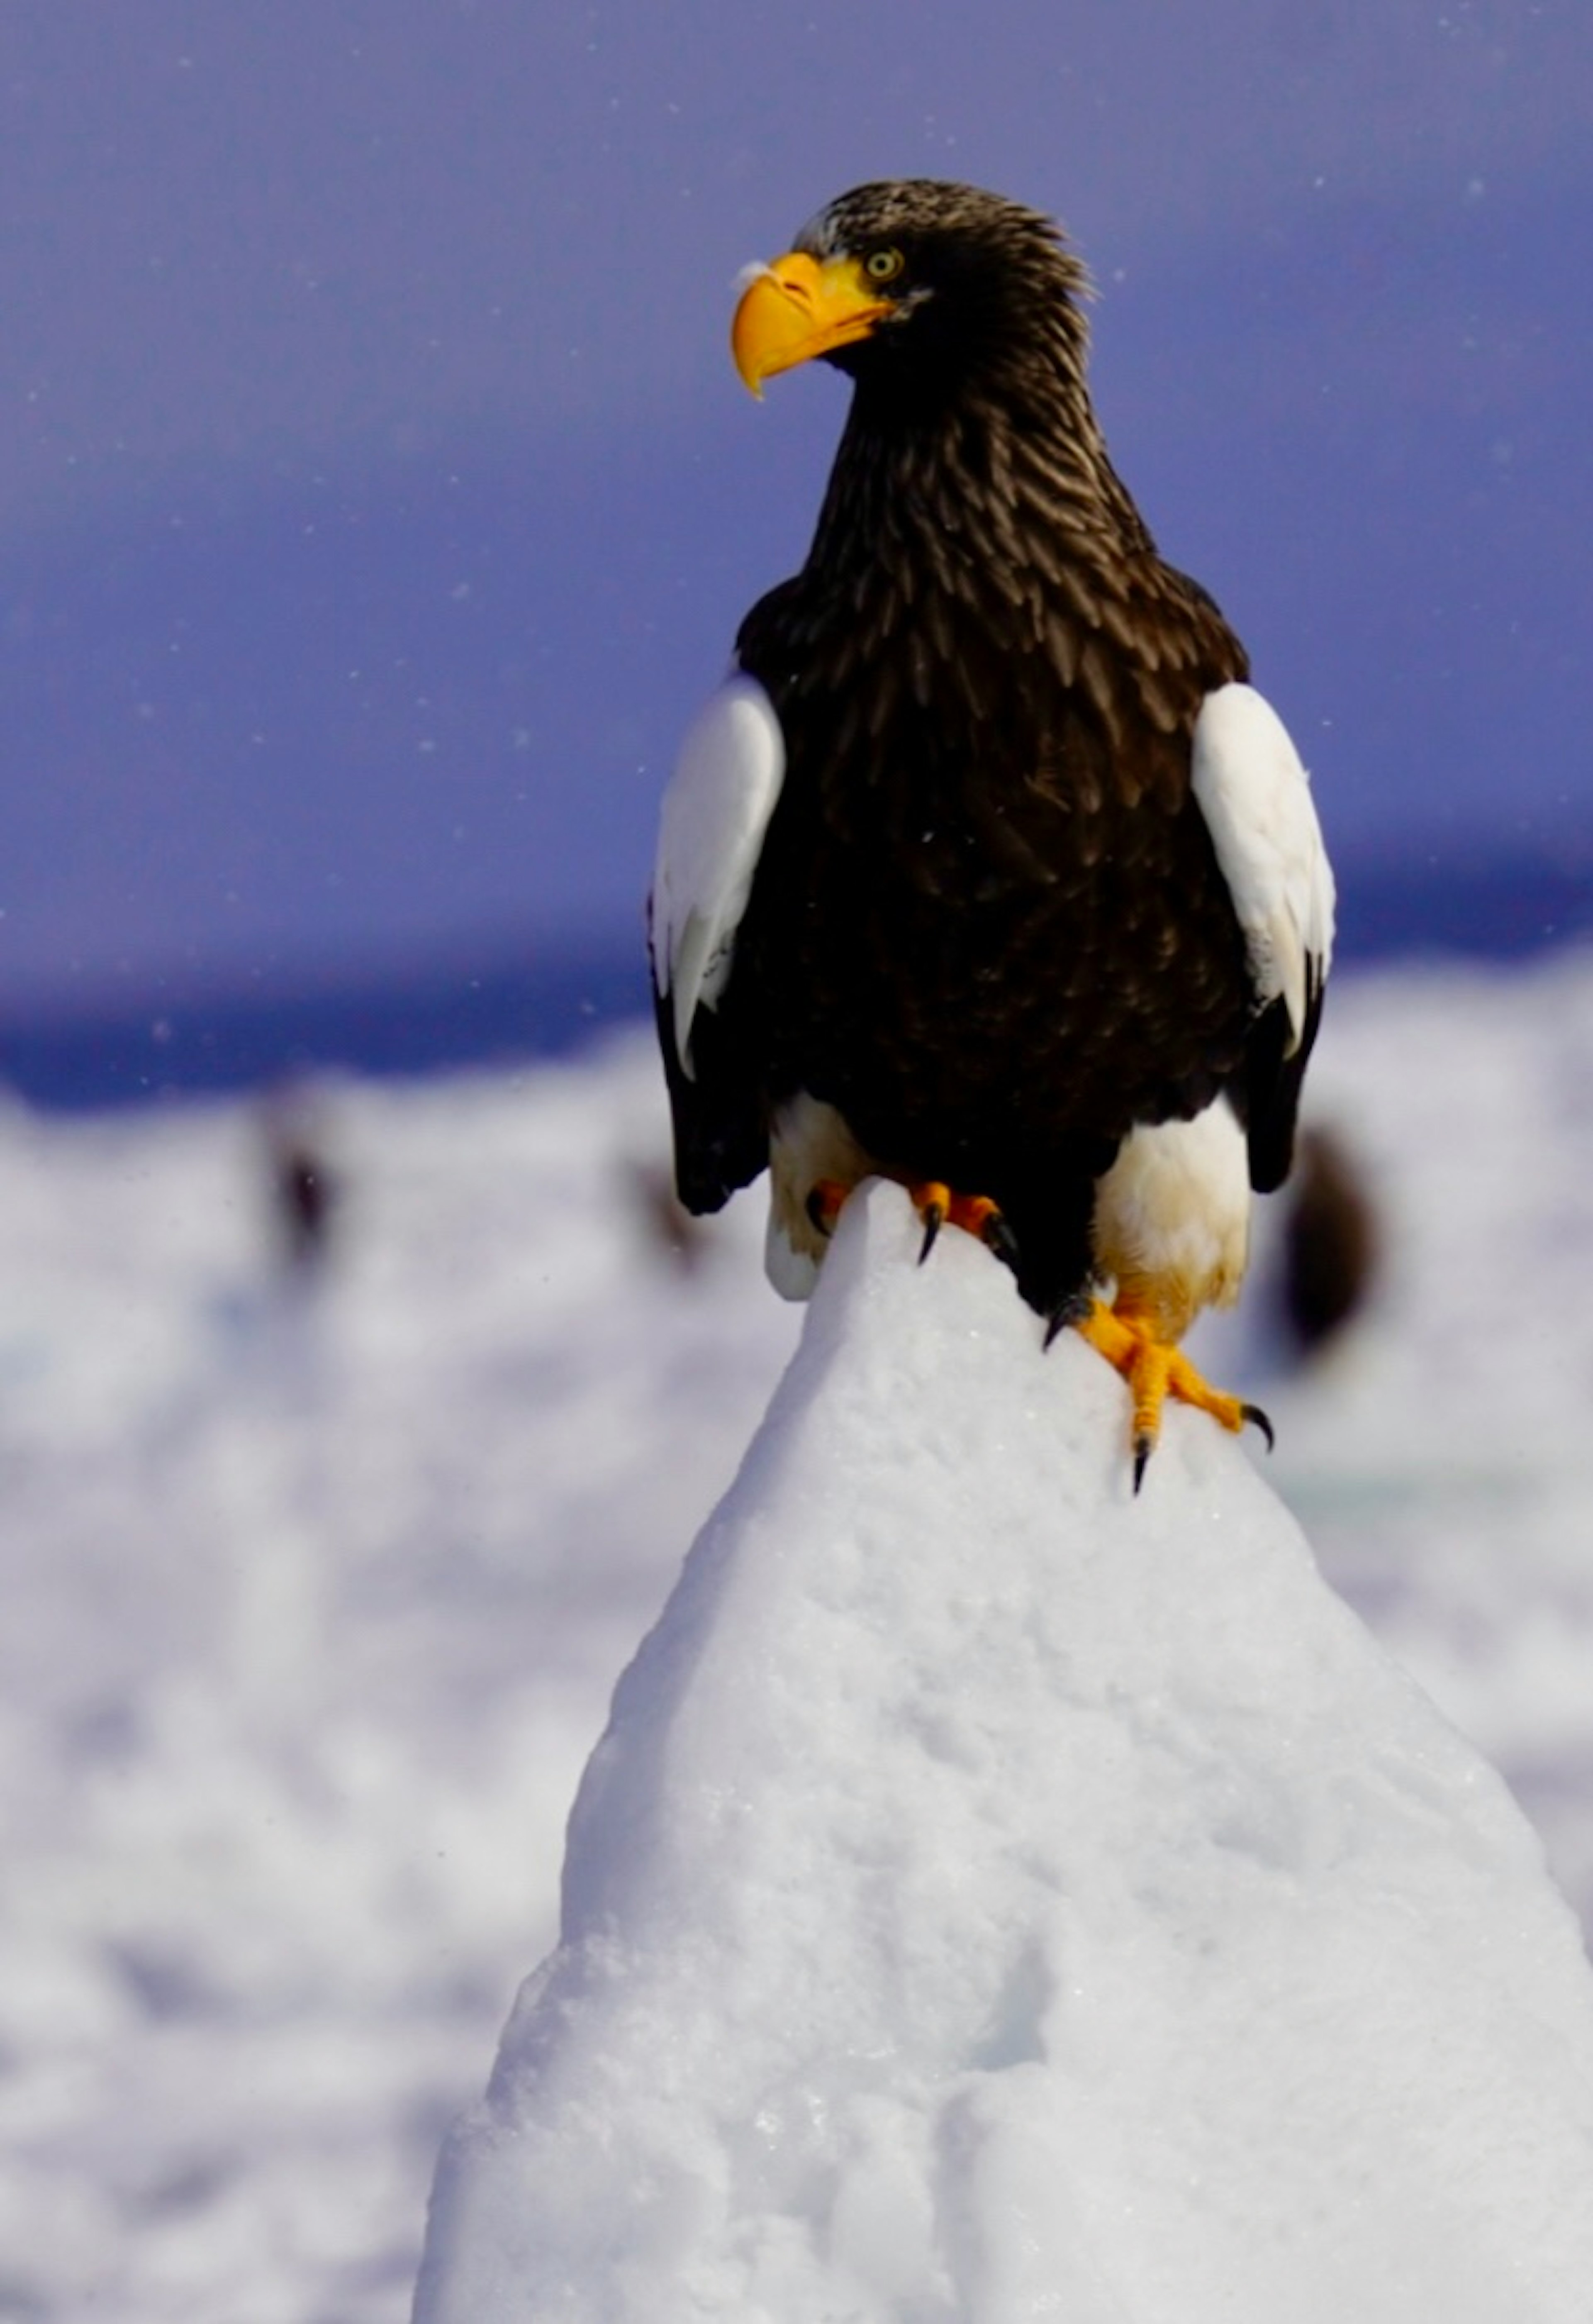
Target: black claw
[(1143, 1447), (934, 1218), (1254, 1414), (816, 1215), (1001, 1240), (1072, 1310)]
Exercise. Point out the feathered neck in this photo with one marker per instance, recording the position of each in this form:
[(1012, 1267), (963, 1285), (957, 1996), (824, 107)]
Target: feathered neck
[(983, 474)]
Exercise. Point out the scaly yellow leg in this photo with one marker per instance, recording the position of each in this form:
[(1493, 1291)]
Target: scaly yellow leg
[(1155, 1370)]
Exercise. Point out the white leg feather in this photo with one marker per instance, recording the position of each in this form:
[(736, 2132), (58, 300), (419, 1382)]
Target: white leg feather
[(809, 1140), (1172, 1218)]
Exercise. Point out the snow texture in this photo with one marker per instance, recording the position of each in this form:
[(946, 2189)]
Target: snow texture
[(316, 1586), (997, 1897)]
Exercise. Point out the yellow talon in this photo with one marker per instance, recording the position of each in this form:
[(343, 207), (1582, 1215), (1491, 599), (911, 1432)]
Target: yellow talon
[(936, 1204), (826, 1198), (1155, 1370), (933, 1203)]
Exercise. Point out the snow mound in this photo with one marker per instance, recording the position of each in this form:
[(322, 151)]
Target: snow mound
[(998, 1897)]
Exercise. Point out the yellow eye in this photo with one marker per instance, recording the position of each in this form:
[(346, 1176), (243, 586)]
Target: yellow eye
[(883, 266)]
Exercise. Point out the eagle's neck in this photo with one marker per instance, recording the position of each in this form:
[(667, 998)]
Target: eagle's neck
[(1001, 492), (994, 511)]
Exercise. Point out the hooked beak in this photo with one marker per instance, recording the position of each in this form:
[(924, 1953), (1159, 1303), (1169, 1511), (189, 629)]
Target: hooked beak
[(799, 307)]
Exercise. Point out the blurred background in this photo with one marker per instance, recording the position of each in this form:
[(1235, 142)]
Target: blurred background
[(378, 503)]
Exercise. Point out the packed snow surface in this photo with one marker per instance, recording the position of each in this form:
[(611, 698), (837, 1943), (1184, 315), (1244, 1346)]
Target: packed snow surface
[(996, 1895), (317, 1586)]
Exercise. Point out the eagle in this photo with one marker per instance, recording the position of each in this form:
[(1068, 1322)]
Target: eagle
[(986, 869)]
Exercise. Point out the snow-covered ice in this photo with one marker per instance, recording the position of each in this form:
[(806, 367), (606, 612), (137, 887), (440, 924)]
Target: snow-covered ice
[(997, 1896), (315, 1593)]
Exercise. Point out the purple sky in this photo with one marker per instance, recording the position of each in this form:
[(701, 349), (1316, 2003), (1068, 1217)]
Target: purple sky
[(379, 498)]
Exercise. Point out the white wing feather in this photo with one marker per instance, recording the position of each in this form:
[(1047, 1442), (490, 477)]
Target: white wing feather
[(1256, 797), (715, 812)]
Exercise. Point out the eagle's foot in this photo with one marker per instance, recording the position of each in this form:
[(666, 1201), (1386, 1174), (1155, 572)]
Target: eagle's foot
[(825, 1197), (1154, 1370), (1071, 1316), (937, 1205)]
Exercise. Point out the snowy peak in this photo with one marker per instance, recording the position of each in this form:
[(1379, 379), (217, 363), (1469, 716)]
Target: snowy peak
[(999, 1895)]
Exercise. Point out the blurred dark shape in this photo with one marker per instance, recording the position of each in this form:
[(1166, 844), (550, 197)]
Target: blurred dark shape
[(669, 1227), (1330, 1244), (305, 1190)]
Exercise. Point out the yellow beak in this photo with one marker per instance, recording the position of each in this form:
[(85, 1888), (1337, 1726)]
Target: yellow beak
[(799, 307)]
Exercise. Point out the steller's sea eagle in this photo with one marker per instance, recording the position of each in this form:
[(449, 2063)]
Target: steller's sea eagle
[(986, 869)]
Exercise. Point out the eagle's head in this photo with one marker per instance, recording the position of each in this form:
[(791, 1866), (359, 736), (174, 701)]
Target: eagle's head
[(920, 289)]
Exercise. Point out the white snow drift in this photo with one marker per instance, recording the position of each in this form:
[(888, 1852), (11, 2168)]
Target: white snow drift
[(315, 1593), (996, 1896)]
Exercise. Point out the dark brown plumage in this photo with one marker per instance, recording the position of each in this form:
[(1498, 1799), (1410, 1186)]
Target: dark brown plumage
[(988, 924)]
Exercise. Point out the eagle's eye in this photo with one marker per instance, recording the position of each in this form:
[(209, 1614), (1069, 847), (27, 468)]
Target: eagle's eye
[(883, 266)]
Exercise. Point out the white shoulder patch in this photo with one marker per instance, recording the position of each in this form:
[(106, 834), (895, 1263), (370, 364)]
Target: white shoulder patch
[(711, 826), (1256, 797)]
